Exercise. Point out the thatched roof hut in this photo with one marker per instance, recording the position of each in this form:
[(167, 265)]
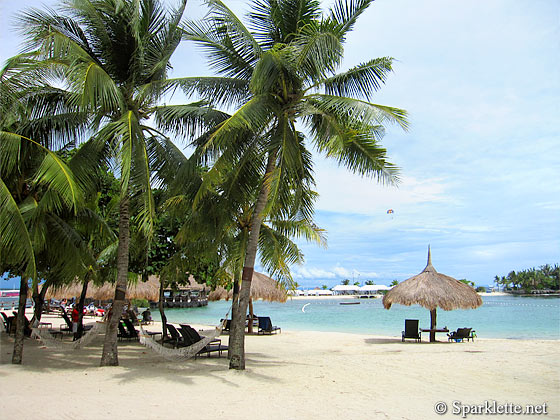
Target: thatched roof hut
[(431, 290), (262, 287), (140, 290)]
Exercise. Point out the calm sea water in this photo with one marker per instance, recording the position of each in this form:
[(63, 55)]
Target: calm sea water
[(512, 317)]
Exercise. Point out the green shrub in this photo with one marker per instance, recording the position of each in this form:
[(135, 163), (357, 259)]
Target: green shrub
[(141, 303)]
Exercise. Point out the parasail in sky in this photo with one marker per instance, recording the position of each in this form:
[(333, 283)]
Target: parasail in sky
[(390, 211)]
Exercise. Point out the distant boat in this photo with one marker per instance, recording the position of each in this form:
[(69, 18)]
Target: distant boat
[(349, 303)]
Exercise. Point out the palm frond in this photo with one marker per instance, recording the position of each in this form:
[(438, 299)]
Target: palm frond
[(361, 80), (345, 13), (350, 109), (16, 246), (188, 120), (217, 45)]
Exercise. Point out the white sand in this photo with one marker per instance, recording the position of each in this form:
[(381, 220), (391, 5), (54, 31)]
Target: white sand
[(292, 375)]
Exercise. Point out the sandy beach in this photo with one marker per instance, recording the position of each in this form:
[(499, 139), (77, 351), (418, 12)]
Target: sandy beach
[(292, 375)]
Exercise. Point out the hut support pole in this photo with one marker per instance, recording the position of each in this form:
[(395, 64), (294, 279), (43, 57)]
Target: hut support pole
[(433, 317), (251, 316)]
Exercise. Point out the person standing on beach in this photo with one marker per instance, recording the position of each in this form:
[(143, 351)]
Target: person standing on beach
[(75, 321)]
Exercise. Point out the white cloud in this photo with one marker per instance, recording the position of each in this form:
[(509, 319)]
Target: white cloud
[(343, 192), (337, 271)]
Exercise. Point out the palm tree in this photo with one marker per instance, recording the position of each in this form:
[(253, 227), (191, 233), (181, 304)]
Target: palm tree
[(38, 189), (280, 71), (225, 216), (369, 283), (113, 56)]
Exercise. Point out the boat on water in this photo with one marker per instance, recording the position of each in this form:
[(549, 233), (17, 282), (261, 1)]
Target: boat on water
[(349, 303)]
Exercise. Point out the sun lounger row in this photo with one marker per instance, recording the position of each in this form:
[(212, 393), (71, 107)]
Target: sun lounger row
[(264, 324), (411, 331), (186, 335)]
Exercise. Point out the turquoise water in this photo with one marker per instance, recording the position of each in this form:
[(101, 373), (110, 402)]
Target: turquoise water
[(512, 317)]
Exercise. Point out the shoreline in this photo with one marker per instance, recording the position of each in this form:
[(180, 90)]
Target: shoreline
[(302, 297)]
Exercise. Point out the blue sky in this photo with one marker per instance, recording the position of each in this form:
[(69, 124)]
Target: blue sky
[(480, 163)]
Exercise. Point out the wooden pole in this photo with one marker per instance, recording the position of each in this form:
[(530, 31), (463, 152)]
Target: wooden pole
[(432, 325), (251, 316)]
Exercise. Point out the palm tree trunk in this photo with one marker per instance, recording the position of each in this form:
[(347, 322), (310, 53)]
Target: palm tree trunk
[(110, 351), (80, 307), (39, 300), (237, 359), (162, 312), (233, 335), (17, 355)]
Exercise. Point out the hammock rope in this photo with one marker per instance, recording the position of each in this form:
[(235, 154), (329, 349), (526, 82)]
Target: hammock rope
[(49, 341), (179, 354), (182, 353)]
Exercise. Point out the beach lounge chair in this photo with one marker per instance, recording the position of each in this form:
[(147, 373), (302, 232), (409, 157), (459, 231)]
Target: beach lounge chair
[(123, 334), (461, 334), (191, 336), (133, 332), (26, 328), (7, 321), (228, 324), (175, 338), (411, 330), (266, 327)]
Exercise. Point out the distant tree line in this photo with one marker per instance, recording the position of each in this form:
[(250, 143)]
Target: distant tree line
[(542, 278)]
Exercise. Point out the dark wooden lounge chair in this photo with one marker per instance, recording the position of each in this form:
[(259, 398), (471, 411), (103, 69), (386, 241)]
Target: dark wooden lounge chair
[(123, 334), (461, 334), (266, 327), (7, 321), (175, 338), (192, 336), (132, 332), (26, 328), (411, 330), (228, 324)]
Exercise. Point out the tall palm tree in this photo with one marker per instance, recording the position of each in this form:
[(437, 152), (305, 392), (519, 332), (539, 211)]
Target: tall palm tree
[(113, 57), (279, 71), (38, 189), (225, 215)]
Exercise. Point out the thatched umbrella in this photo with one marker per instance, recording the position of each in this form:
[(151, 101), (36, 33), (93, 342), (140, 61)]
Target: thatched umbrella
[(431, 290), (140, 290), (262, 287)]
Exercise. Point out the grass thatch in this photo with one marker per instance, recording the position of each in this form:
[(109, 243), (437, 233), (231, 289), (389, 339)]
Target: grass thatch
[(262, 287), (431, 290), (140, 290)]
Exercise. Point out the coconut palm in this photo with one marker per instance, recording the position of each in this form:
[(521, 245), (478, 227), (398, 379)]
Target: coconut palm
[(113, 57), (38, 190), (225, 216), (278, 71)]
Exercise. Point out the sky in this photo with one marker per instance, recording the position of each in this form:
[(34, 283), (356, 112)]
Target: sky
[(480, 163)]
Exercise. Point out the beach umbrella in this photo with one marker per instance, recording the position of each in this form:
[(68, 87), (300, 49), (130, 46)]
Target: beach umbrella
[(431, 290), (140, 290), (262, 287)]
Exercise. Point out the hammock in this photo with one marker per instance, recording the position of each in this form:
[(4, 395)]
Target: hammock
[(50, 341), (182, 353)]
